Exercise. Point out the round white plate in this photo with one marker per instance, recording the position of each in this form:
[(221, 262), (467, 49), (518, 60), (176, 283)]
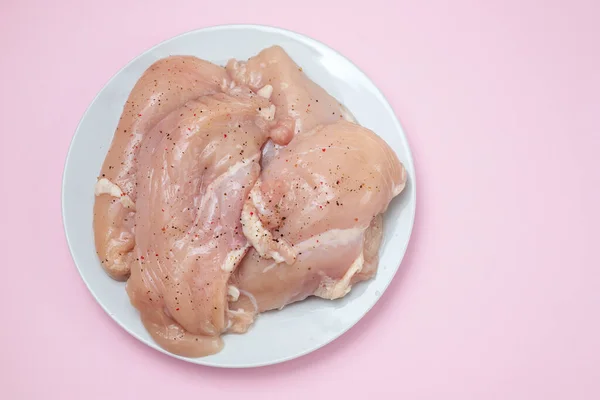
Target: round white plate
[(299, 328)]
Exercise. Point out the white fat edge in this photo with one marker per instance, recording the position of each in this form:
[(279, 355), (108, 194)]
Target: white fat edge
[(251, 224), (258, 200), (267, 113), (233, 293), (252, 299), (276, 256), (266, 91), (105, 186), (241, 312), (233, 258), (335, 289), (253, 228), (269, 267)]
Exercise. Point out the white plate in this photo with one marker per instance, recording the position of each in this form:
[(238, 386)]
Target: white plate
[(299, 328)]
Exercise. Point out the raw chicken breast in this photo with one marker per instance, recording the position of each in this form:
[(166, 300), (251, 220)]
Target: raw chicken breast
[(204, 238), (196, 168), (301, 103), (165, 86), (314, 218)]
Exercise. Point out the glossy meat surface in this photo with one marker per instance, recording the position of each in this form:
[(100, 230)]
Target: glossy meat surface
[(314, 216), (196, 168), (231, 191), (165, 86), (301, 103)]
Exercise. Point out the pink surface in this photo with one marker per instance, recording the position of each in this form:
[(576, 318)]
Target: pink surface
[(499, 293)]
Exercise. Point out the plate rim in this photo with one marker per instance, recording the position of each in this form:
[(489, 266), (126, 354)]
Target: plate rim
[(309, 41)]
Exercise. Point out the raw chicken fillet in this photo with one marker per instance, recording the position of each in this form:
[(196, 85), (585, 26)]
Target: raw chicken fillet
[(229, 191), (196, 168), (165, 86), (314, 217), (300, 103)]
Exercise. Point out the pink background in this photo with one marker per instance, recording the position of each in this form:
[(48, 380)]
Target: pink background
[(499, 292)]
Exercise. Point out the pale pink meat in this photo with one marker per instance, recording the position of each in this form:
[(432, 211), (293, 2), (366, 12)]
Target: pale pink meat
[(300, 103), (165, 86), (314, 217), (205, 238), (196, 168)]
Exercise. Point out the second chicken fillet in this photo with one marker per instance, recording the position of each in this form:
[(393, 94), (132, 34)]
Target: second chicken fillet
[(196, 168)]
